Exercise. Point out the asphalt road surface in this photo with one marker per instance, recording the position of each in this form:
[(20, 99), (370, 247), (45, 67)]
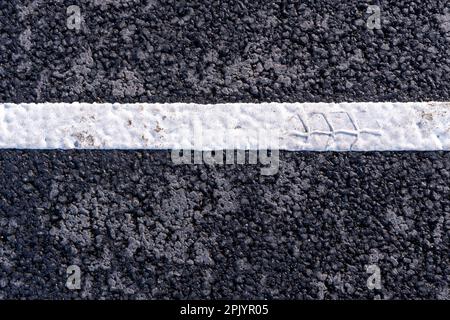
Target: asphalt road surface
[(138, 226), (232, 51)]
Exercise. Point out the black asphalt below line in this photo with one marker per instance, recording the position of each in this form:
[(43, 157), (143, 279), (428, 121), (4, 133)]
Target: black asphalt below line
[(224, 51), (140, 227)]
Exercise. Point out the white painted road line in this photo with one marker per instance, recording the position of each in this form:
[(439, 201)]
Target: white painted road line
[(361, 126)]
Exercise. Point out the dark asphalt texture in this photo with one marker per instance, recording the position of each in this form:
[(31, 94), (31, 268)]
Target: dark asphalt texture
[(140, 227), (216, 51)]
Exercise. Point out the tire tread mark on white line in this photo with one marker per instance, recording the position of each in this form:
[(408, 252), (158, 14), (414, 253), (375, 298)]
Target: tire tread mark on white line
[(333, 132)]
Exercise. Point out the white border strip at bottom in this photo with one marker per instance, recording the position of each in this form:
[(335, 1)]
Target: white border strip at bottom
[(364, 126)]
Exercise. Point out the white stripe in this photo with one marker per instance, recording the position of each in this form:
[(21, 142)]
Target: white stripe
[(361, 126)]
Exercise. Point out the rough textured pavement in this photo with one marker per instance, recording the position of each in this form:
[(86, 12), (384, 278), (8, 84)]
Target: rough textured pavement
[(140, 227), (234, 51)]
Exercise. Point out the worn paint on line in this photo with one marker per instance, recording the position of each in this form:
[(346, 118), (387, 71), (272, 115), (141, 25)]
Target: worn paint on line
[(364, 126)]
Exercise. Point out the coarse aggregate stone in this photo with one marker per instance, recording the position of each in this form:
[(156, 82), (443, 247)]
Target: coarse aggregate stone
[(140, 227)]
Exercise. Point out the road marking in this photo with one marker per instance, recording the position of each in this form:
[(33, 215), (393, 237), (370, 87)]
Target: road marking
[(362, 126)]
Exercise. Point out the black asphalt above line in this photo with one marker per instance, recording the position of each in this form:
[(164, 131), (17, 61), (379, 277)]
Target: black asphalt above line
[(138, 226), (223, 51)]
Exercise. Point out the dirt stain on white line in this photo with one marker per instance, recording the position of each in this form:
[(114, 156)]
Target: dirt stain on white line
[(362, 126)]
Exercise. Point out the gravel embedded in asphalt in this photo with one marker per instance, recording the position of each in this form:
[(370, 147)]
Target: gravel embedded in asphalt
[(224, 51), (140, 227)]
